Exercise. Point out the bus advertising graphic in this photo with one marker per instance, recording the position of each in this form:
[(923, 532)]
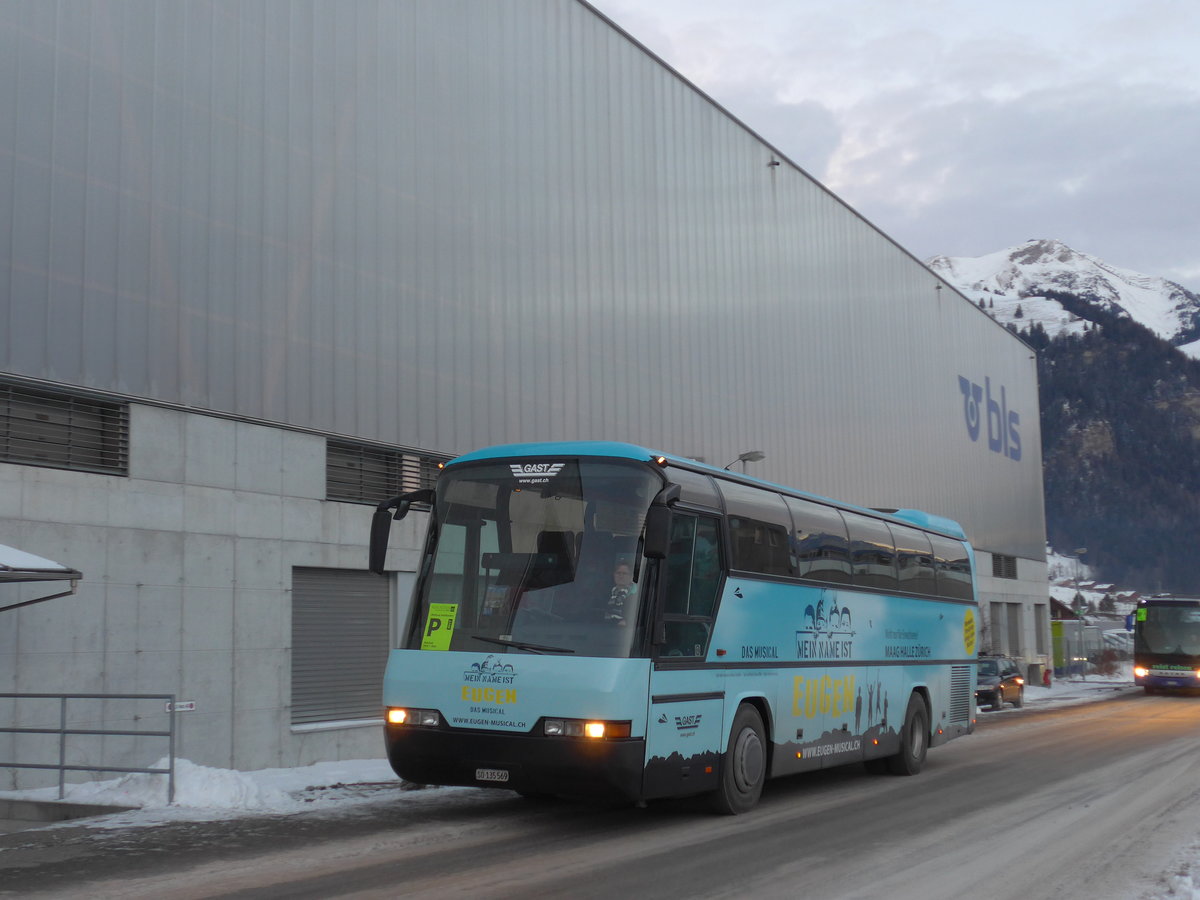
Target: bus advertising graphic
[(763, 631)]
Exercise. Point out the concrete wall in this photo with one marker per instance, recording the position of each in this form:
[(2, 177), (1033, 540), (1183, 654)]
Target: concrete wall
[(1026, 592), (187, 576)]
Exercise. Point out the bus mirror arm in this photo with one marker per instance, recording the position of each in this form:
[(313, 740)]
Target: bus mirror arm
[(381, 524), (658, 523)]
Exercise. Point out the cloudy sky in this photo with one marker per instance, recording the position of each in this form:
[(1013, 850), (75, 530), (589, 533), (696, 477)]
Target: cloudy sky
[(961, 127)]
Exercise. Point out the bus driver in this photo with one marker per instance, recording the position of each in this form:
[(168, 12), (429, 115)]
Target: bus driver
[(621, 594)]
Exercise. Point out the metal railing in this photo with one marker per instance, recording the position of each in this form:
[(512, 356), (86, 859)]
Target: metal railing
[(62, 766)]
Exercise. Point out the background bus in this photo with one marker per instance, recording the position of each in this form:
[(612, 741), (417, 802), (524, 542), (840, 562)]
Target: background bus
[(599, 619), (1166, 643)]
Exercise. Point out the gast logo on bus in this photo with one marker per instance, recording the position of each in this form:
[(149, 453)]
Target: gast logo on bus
[(1002, 422), (535, 473)]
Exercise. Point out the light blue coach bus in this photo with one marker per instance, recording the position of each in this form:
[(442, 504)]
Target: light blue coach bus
[(597, 619)]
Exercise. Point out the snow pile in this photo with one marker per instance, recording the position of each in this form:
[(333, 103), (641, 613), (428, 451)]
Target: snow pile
[(1182, 886), (205, 793), (196, 786)]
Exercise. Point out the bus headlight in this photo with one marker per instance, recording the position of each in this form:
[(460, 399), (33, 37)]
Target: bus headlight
[(430, 718), (1141, 671), (585, 728)]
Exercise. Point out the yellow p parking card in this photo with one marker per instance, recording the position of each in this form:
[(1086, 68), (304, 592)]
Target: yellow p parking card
[(439, 626)]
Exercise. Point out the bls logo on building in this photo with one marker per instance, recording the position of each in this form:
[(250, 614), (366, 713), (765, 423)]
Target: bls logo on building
[(1002, 422)]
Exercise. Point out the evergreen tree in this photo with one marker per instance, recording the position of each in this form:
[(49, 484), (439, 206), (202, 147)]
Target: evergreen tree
[(1120, 415)]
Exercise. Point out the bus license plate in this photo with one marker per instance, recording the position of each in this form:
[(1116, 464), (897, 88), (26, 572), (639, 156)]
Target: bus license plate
[(491, 774)]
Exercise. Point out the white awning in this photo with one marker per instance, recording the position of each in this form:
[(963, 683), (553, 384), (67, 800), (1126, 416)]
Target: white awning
[(18, 566)]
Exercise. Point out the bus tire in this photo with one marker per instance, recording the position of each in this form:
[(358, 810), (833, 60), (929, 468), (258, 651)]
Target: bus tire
[(744, 765), (914, 739)]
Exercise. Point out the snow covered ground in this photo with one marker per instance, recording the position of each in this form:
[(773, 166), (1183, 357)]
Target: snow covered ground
[(207, 794)]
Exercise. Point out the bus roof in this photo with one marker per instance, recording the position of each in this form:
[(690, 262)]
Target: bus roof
[(621, 450)]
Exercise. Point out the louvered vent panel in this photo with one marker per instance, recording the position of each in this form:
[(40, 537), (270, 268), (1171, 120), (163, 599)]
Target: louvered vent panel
[(359, 473), (960, 694), (63, 431), (339, 644)]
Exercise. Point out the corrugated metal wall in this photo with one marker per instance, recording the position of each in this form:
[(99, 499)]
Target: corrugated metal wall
[(340, 642), (446, 224)]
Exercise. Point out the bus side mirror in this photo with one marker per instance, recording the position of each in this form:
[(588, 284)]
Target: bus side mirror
[(381, 527), (658, 532), (381, 524), (658, 523)]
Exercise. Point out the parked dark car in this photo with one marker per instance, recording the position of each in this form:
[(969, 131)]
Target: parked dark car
[(999, 681)]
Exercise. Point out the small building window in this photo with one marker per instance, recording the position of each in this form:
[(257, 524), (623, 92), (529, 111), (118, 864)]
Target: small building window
[(59, 430), (1004, 566), (360, 473)]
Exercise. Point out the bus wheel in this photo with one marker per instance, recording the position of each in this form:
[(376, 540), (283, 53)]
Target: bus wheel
[(744, 767), (914, 739)]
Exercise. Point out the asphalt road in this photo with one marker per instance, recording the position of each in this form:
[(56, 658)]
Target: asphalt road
[(1089, 802)]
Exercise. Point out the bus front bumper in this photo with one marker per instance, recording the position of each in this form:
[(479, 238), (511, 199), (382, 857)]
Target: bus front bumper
[(1182, 680), (528, 763)]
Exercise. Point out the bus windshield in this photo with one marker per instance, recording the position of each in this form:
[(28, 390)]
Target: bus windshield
[(536, 558), (1169, 629)]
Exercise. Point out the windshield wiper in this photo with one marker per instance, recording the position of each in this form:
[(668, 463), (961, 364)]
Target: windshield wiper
[(522, 645)]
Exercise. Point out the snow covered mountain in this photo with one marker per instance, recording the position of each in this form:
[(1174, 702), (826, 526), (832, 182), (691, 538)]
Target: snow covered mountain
[(1046, 281)]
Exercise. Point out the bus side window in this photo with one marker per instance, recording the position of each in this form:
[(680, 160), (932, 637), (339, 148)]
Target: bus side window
[(819, 542), (693, 570), (758, 530), (872, 553), (953, 568), (914, 557)]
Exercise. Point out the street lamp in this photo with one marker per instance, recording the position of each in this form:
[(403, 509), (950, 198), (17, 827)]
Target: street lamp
[(748, 457), (1079, 551)]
